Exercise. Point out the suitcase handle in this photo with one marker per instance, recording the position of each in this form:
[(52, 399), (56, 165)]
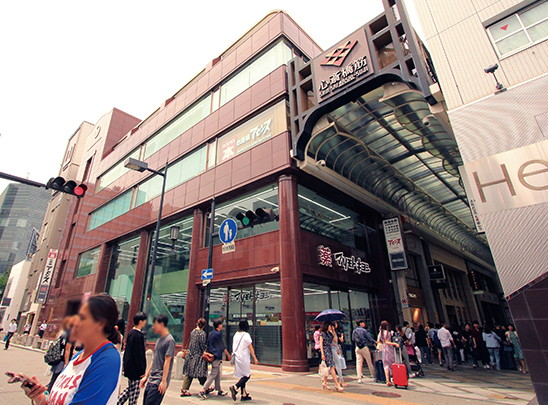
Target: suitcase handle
[(401, 356)]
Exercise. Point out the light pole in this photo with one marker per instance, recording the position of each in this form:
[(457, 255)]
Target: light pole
[(141, 166), (207, 297)]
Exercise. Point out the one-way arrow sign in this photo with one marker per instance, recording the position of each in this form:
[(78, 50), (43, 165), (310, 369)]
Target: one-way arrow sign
[(207, 274)]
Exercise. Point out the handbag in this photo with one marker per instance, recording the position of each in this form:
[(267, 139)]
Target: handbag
[(55, 352), (323, 371), (233, 355), (184, 353), (342, 362), (208, 357)]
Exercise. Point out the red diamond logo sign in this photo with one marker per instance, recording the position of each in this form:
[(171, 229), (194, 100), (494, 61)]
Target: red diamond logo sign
[(504, 27)]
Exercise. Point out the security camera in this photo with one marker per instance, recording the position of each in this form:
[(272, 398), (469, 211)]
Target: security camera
[(320, 163), (492, 68), (426, 121)]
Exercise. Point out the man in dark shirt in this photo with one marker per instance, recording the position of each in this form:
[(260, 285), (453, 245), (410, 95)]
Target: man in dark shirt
[(476, 343), (135, 362), (216, 347), (424, 344), (363, 339)]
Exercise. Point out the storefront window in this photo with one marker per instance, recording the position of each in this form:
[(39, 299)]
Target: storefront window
[(265, 198), (170, 284), (122, 273), (87, 262), (326, 218)]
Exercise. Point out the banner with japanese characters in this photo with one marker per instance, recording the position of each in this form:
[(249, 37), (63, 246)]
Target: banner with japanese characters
[(46, 276), (394, 244)]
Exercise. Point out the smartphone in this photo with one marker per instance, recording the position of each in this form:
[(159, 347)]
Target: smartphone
[(14, 378)]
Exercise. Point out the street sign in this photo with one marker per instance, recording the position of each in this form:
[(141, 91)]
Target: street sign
[(207, 274), (228, 230), (394, 244), (229, 247), (205, 282)]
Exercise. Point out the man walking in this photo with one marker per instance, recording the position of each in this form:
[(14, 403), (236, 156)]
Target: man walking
[(42, 329), (12, 327), (158, 375), (135, 362), (216, 347), (363, 339), (447, 343)]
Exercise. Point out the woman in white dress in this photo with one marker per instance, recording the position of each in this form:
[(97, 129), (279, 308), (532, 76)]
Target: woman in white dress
[(241, 349)]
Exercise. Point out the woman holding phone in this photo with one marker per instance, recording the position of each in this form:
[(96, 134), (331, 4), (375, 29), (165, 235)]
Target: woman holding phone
[(93, 374)]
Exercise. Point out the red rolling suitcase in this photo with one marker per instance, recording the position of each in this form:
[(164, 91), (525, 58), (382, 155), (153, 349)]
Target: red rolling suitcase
[(399, 372)]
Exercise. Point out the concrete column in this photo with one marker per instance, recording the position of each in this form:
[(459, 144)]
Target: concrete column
[(291, 277), (138, 280), (193, 291)]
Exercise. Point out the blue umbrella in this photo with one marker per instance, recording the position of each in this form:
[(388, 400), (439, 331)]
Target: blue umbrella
[(330, 315)]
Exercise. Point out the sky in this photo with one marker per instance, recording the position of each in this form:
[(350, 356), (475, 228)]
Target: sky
[(65, 62)]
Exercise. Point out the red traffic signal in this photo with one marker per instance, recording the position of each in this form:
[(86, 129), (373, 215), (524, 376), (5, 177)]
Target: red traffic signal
[(69, 187)]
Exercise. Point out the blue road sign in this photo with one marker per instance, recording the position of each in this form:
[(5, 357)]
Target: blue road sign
[(207, 274), (228, 230)]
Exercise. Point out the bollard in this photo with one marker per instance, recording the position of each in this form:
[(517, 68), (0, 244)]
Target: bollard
[(45, 344), (37, 343), (149, 355), (33, 340), (179, 363)]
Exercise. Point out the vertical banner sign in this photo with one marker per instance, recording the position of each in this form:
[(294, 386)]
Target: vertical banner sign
[(46, 276), (394, 244)]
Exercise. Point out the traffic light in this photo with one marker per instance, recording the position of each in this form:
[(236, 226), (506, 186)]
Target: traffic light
[(259, 216), (69, 187)]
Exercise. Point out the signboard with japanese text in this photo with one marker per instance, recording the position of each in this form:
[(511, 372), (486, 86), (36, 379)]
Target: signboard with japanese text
[(342, 65), (327, 258), (253, 132), (394, 244), (45, 281)]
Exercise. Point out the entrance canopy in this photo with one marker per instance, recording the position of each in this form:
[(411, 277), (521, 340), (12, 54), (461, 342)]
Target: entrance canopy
[(372, 123)]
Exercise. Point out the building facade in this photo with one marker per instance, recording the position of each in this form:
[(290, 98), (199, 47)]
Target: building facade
[(10, 307), (22, 210), (253, 137), (491, 58)]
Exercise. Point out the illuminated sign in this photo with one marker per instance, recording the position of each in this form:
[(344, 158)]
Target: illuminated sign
[(326, 258)]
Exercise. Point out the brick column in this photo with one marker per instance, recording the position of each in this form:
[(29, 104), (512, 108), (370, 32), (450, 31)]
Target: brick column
[(193, 291), (138, 280), (291, 277)]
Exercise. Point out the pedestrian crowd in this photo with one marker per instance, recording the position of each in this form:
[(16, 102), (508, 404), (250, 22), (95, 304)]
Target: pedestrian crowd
[(86, 361)]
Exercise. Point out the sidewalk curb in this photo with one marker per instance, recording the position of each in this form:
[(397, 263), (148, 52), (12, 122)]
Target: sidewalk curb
[(32, 349)]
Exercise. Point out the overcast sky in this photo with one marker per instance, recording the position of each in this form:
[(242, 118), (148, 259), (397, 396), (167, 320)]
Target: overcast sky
[(64, 62)]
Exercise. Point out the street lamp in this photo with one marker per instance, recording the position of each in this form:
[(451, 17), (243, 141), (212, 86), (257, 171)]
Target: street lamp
[(141, 166)]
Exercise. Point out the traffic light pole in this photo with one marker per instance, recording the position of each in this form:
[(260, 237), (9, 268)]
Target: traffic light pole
[(209, 265), (156, 238), (21, 180)]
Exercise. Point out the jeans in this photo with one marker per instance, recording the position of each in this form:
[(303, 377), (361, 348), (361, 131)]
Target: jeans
[(494, 355), (425, 354), (152, 395), (448, 354), (215, 375), (362, 354)]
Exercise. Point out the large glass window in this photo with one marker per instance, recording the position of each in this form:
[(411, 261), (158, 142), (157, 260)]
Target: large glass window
[(276, 56), (181, 124), (122, 273), (253, 132), (114, 208), (169, 288), (87, 262), (523, 28), (265, 198), (329, 219), (116, 171)]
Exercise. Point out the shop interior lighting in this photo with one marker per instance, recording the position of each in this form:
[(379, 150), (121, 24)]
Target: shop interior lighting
[(320, 205)]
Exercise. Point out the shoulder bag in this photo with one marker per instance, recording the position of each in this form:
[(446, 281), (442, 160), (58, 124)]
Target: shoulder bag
[(233, 356), (208, 357)]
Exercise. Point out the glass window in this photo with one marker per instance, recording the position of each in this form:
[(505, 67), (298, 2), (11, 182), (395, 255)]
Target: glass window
[(170, 284), (110, 210), (116, 171), (265, 198), (121, 273), (180, 125), (326, 218), (87, 262), (21, 223), (520, 29), (276, 56), (253, 132)]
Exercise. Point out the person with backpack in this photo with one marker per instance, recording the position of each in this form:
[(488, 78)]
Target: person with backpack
[(93, 375), (61, 347), (134, 361), (436, 344), (362, 338)]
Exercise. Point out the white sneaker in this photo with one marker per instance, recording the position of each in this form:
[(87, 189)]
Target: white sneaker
[(360, 381)]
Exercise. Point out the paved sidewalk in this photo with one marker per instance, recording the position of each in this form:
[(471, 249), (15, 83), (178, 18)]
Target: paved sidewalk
[(270, 385)]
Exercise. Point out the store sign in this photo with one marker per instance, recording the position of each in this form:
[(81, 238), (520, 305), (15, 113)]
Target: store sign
[(513, 179), (46, 276), (436, 272), (326, 258), (246, 296), (394, 244), (257, 130), (346, 63), (471, 201)]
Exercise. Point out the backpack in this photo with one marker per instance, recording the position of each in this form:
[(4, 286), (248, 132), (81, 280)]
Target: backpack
[(55, 352), (436, 339)]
